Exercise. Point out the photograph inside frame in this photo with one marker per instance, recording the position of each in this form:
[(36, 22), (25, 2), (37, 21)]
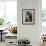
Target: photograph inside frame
[(28, 16)]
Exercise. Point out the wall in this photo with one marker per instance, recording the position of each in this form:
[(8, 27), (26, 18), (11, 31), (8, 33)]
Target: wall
[(31, 32)]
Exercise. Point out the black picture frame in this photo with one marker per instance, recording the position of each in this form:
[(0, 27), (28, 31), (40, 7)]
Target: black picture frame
[(28, 16)]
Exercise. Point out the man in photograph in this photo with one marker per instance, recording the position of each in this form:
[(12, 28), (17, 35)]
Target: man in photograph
[(28, 17)]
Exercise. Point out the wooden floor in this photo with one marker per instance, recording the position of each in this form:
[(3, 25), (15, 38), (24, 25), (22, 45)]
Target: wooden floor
[(2, 43)]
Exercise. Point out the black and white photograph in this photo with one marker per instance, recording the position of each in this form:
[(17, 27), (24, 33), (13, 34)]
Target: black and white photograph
[(28, 16)]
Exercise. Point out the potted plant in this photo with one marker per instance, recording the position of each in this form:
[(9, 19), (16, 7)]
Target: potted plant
[(1, 22)]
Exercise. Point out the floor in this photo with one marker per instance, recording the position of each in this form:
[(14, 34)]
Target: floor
[(2, 43)]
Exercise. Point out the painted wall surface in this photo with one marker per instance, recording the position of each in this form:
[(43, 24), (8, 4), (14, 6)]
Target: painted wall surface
[(30, 32)]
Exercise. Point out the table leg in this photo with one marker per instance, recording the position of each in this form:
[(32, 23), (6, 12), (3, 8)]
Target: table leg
[(1, 36)]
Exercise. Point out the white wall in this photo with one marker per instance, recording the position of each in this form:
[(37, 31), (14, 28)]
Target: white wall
[(31, 32)]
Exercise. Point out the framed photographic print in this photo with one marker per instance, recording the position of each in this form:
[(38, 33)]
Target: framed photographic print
[(28, 16)]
